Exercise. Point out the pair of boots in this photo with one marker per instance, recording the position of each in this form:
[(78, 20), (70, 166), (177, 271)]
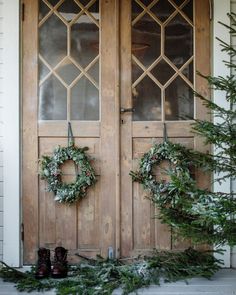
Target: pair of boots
[(59, 265)]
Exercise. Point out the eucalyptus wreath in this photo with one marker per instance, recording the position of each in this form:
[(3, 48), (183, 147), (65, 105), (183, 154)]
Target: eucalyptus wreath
[(179, 158), (192, 212), (51, 172)]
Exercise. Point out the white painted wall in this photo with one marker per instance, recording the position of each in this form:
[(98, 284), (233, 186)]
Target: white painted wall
[(221, 8), (11, 131), (1, 129)]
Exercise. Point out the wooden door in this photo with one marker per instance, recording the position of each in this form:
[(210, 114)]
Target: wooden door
[(69, 74), (82, 61), (163, 43)]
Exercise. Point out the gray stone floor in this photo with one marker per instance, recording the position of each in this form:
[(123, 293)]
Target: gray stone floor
[(223, 283)]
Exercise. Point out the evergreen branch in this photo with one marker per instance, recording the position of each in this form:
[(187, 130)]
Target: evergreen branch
[(226, 84), (84, 257), (102, 277), (227, 48), (12, 275)]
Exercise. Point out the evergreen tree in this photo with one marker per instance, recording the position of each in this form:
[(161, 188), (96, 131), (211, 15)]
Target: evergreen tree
[(199, 214), (222, 134)]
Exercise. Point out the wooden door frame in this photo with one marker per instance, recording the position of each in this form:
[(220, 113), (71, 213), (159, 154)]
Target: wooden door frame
[(30, 127), (12, 215), (110, 131)]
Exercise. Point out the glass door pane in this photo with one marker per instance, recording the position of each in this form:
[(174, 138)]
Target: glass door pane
[(162, 60), (69, 60)]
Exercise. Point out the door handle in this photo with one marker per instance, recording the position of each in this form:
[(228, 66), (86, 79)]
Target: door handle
[(128, 110)]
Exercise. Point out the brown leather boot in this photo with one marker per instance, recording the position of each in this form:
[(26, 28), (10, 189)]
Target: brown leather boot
[(43, 268), (60, 267)]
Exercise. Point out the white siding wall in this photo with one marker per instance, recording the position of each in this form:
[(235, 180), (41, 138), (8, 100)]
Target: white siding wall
[(221, 8), (1, 129), (11, 130), (233, 185)]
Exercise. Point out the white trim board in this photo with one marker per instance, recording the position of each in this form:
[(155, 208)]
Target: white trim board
[(11, 119), (221, 8)]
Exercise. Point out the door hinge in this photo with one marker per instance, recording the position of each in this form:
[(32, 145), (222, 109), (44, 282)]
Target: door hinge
[(23, 11), (211, 8), (22, 232)]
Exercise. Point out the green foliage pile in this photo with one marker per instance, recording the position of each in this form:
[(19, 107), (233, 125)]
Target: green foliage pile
[(100, 276)]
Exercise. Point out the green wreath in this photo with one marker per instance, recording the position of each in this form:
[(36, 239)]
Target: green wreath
[(180, 160), (180, 202), (51, 172)]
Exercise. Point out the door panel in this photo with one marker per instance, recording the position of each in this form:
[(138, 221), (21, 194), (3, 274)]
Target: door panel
[(82, 61), (70, 226), (149, 232)]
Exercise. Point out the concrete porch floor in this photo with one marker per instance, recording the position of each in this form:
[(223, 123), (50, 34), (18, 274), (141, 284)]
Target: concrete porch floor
[(223, 283)]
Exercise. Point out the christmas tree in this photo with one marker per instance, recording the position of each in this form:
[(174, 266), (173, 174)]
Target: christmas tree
[(222, 134), (218, 210), (202, 215)]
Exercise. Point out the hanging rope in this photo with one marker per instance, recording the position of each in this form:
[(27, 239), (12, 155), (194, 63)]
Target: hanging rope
[(165, 137), (71, 140)]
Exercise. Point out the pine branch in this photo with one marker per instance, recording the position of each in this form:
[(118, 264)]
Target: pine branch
[(102, 276), (12, 274)]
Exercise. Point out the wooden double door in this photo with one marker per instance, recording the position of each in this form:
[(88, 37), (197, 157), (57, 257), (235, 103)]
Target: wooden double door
[(117, 70)]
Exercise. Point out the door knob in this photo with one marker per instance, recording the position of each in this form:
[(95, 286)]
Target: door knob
[(128, 110)]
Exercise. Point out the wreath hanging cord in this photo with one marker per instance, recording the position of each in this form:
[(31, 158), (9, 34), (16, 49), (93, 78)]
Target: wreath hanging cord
[(71, 142), (70, 136), (51, 171), (165, 137)]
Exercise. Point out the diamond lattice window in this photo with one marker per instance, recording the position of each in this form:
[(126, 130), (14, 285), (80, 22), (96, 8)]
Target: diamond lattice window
[(162, 60), (69, 60)]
